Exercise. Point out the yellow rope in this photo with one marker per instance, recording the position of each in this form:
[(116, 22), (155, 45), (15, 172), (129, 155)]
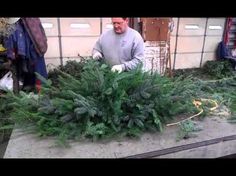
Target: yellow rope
[(197, 104), (213, 101)]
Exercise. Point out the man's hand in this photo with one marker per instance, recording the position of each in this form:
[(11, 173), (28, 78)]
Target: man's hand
[(97, 55), (118, 68)]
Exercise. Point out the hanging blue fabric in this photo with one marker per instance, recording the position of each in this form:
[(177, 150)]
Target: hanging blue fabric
[(20, 45), (223, 51)]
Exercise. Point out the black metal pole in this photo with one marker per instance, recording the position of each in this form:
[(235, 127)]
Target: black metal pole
[(203, 45), (176, 43), (59, 38)]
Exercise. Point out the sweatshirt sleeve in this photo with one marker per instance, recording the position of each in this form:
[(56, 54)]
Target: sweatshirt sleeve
[(137, 54), (97, 47)]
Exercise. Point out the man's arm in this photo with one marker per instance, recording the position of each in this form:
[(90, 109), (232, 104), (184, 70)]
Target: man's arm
[(137, 54), (97, 50)]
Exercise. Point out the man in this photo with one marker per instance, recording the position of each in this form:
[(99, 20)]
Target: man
[(121, 47)]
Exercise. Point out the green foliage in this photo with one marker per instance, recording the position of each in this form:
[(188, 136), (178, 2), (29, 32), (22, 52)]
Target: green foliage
[(99, 103), (187, 129), (221, 90), (196, 72), (218, 69), (214, 69), (71, 67), (93, 102), (6, 123)]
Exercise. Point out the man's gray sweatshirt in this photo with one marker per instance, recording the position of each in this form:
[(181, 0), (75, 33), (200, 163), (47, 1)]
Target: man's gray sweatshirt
[(126, 48)]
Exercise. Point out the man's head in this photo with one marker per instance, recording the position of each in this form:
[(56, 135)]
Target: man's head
[(120, 24)]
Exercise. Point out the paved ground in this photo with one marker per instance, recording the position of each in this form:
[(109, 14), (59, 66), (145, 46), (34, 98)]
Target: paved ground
[(22, 145)]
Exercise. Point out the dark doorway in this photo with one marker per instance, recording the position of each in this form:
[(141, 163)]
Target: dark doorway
[(136, 24)]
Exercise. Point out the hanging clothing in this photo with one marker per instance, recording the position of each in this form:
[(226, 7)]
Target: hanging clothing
[(20, 47), (37, 34), (222, 51)]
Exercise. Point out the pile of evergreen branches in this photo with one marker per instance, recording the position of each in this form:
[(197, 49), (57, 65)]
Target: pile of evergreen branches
[(100, 103), (216, 80), (218, 69), (214, 69), (6, 123), (71, 67)]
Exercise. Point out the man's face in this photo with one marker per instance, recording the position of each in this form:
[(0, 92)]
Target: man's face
[(119, 25)]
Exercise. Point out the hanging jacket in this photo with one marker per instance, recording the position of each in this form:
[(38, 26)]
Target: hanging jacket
[(37, 34), (16, 42), (223, 51), (20, 46)]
